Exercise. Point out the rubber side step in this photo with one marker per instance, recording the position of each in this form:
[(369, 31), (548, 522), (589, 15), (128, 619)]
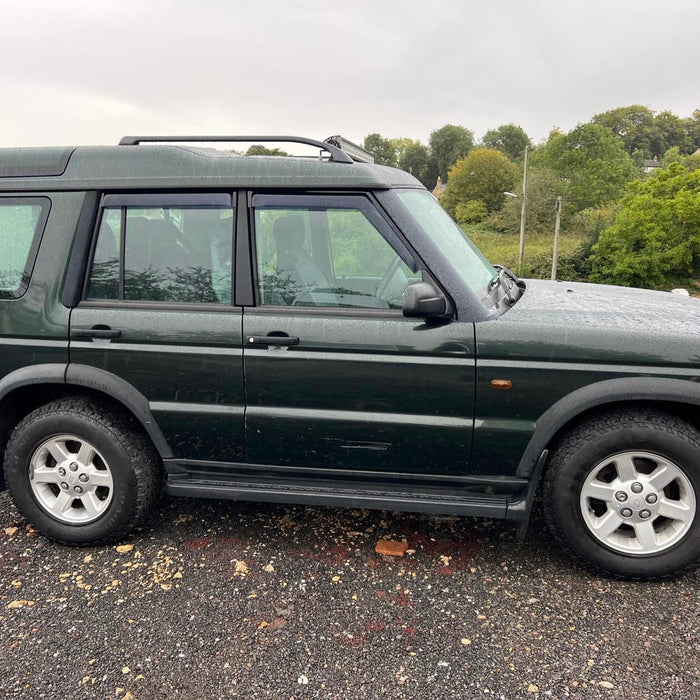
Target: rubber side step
[(407, 499)]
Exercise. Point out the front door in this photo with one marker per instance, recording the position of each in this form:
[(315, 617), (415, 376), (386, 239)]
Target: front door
[(335, 376)]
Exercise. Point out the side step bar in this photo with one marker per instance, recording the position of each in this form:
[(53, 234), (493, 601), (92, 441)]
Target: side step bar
[(407, 499)]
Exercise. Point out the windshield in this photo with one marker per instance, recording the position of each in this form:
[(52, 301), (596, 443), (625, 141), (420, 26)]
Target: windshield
[(473, 267)]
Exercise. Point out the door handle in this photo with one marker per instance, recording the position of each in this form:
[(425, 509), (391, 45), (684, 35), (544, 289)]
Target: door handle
[(97, 332), (271, 340)]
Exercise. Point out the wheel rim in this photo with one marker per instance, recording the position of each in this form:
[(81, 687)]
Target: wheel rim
[(70, 479), (637, 503)]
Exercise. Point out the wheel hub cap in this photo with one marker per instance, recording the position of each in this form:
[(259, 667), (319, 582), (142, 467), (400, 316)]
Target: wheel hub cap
[(637, 503), (70, 479)]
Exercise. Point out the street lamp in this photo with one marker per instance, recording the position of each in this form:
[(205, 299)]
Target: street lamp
[(523, 215)]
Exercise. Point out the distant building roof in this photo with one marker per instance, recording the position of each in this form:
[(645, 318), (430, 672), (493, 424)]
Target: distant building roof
[(652, 164)]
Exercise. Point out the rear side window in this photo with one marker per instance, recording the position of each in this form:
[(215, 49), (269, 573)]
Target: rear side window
[(22, 222), (156, 249)]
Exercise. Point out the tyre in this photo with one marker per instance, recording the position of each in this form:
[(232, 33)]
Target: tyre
[(81, 471), (622, 492)]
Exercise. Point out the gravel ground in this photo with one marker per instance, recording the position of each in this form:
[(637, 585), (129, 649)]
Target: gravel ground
[(243, 600)]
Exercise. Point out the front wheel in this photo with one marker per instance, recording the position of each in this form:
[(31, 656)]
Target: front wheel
[(81, 472), (622, 493)]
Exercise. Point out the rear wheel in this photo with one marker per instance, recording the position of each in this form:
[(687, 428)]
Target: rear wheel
[(81, 471), (622, 494)]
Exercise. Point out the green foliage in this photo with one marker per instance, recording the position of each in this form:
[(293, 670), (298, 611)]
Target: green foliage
[(509, 139), (504, 249), (448, 144), (260, 150), (649, 134), (671, 131), (543, 188), (593, 162), (416, 159), (483, 175), (656, 234), (472, 212), (384, 151), (634, 125)]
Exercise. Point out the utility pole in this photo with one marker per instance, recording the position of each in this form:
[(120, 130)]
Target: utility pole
[(523, 216), (555, 253)]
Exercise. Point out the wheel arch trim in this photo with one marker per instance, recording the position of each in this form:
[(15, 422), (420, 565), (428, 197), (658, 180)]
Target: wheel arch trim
[(96, 379), (598, 395)]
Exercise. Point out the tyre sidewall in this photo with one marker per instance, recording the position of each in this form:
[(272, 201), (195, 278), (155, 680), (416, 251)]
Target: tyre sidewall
[(30, 434), (563, 498)]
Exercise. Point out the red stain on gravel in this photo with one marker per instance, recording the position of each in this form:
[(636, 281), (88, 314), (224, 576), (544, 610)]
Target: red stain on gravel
[(338, 554)]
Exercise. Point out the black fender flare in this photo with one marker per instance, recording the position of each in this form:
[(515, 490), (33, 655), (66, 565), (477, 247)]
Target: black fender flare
[(91, 378), (610, 391)]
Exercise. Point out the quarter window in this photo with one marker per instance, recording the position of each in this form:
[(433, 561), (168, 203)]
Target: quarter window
[(169, 253), (22, 222)]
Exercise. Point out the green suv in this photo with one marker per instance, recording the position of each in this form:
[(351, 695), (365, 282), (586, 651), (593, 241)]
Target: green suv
[(319, 331)]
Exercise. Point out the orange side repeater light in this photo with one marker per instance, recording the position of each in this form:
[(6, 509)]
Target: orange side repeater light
[(501, 384)]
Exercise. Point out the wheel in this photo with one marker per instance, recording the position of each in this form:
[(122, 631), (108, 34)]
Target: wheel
[(621, 493), (81, 472)]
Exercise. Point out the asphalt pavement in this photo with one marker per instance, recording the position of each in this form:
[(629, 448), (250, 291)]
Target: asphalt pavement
[(217, 599)]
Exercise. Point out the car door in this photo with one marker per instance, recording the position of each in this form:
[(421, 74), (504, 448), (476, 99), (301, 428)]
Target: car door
[(157, 312), (335, 376)]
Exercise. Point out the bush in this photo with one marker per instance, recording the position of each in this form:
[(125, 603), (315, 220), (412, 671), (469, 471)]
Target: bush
[(655, 237), (471, 212)]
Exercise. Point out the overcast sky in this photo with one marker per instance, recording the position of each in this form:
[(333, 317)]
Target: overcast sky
[(90, 71)]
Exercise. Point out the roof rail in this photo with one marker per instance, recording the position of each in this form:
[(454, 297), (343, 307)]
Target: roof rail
[(356, 152), (337, 154)]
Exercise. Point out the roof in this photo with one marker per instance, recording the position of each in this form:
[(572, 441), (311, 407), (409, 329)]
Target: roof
[(167, 166)]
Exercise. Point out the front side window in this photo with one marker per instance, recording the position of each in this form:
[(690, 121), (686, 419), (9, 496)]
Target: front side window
[(327, 256), (170, 253), (22, 222)]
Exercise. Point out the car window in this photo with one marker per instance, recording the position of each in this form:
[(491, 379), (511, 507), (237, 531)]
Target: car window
[(168, 254), (326, 256), (21, 224)]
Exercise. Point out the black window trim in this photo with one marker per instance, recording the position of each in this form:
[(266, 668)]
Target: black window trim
[(121, 200), (322, 200)]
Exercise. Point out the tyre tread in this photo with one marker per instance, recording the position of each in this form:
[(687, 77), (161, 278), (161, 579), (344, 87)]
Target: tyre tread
[(108, 416), (579, 438)]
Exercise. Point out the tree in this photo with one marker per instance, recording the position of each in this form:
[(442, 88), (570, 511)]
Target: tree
[(400, 145), (543, 188), (384, 151), (485, 174), (671, 131), (416, 159), (694, 130), (634, 125), (509, 139), (448, 144), (594, 163), (656, 234), (260, 150)]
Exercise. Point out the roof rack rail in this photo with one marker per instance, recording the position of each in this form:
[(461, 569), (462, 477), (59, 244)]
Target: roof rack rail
[(356, 152), (337, 154)]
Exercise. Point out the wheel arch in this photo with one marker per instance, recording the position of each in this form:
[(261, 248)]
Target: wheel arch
[(676, 396), (18, 395)]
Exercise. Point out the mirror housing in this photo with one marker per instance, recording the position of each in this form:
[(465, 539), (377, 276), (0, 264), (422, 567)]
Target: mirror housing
[(421, 300)]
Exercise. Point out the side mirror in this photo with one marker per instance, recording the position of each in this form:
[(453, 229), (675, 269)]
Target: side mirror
[(421, 300)]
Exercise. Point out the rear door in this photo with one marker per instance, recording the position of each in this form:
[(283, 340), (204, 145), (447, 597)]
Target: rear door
[(157, 312), (336, 377)]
